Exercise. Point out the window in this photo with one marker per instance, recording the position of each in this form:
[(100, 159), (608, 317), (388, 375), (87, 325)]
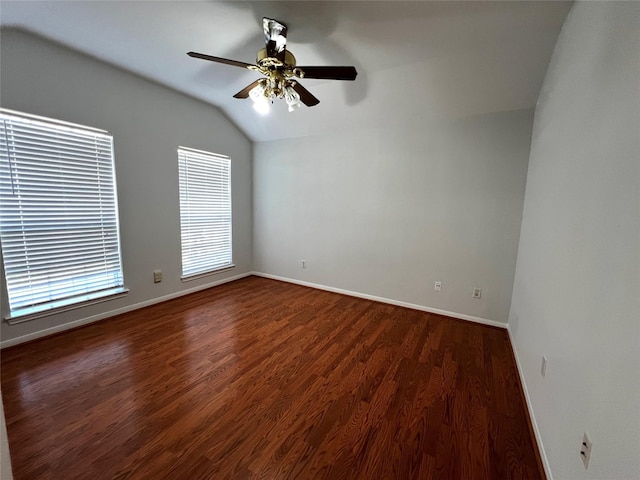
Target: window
[(58, 215), (205, 212)]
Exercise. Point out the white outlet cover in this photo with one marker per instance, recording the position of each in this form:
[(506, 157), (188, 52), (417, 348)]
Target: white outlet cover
[(477, 293), (437, 286)]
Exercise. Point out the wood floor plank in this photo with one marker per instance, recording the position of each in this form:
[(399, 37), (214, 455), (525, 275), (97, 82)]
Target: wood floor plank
[(263, 379)]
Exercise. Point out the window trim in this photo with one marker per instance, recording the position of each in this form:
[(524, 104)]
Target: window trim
[(184, 151), (216, 271), (65, 305), (78, 299)]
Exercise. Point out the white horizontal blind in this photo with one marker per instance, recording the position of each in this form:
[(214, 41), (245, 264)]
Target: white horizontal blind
[(58, 212), (205, 211)]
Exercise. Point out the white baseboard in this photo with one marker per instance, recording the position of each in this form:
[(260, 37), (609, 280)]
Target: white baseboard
[(461, 316), (112, 313), (536, 430)]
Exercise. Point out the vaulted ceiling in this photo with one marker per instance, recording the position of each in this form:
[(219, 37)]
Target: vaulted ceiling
[(415, 60)]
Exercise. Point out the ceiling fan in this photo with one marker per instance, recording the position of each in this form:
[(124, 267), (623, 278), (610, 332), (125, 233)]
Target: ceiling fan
[(278, 65)]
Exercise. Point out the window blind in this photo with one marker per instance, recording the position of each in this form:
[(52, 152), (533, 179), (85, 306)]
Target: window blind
[(205, 211), (58, 213)]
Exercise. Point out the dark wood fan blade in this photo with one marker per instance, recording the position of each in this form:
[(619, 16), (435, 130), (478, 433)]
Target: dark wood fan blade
[(306, 96), (275, 34), (330, 73), (244, 93), (235, 63)]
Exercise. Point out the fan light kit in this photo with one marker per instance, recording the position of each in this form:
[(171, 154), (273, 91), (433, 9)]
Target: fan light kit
[(278, 65)]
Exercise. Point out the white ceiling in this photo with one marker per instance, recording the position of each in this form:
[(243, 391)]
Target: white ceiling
[(415, 60)]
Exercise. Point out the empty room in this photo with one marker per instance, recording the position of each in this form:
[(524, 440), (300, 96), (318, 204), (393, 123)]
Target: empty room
[(320, 240)]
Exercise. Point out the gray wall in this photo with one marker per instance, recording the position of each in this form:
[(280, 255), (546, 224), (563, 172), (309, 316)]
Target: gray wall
[(148, 123), (576, 296), (387, 211)]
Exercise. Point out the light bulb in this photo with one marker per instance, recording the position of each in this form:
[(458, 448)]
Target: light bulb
[(292, 98), (260, 101), (257, 92), (262, 106)]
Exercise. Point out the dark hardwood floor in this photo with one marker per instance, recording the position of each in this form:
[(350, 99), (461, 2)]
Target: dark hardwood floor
[(267, 380)]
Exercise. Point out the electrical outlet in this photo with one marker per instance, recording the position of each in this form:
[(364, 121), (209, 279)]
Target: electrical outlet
[(543, 367), (585, 450), (303, 264), (477, 293), (437, 286), (157, 276)]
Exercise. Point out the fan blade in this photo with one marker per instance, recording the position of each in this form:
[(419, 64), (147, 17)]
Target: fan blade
[(330, 73), (235, 63), (275, 34), (305, 95), (244, 93)]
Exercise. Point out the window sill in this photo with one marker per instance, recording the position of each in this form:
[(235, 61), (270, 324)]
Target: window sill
[(206, 274), (31, 313)]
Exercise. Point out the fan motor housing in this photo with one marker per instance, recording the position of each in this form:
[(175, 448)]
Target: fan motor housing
[(289, 59)]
